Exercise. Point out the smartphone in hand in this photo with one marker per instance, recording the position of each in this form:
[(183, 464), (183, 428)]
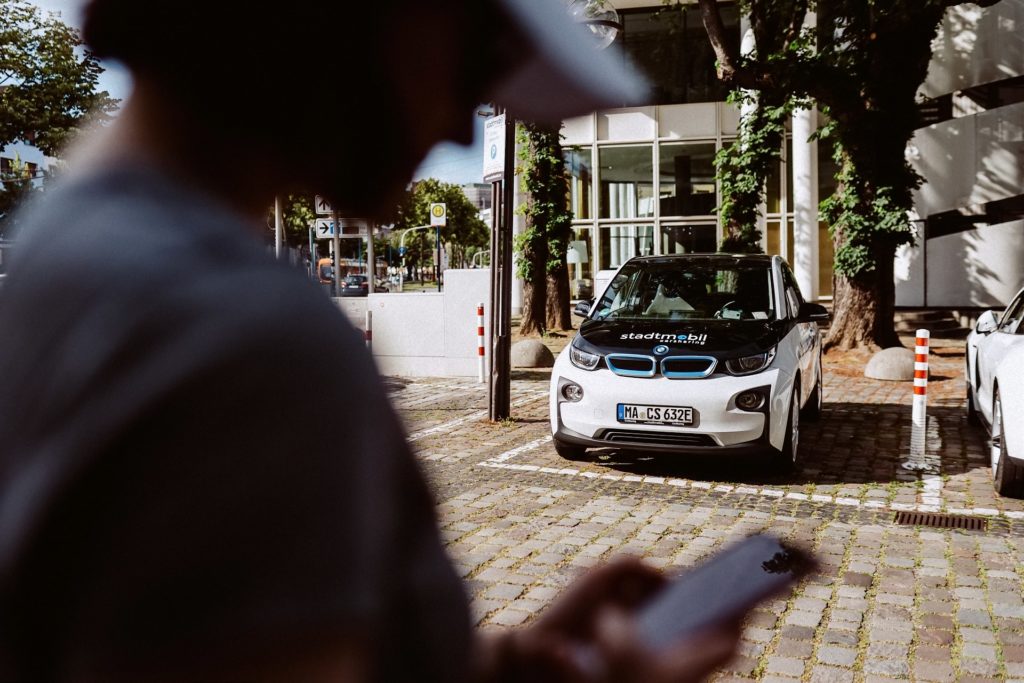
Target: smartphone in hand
[(721, 589)]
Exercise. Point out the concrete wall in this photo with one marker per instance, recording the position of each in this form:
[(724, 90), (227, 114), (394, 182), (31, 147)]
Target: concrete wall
[(976, 45), (982, 267), (971, 160), (426, 334)]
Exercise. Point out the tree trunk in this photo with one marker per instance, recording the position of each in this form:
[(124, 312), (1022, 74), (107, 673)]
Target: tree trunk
[(558, 316), (864, 307), (534, 301)]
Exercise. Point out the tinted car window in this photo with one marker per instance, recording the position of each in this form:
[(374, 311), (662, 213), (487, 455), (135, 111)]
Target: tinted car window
[(689, 290), (1010, 322)]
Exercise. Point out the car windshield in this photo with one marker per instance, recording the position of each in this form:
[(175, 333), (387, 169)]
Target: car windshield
[(690, 289), (355, 280)]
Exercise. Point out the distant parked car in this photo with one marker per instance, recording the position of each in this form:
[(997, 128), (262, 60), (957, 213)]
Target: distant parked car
[(358, 285), (995, 391)]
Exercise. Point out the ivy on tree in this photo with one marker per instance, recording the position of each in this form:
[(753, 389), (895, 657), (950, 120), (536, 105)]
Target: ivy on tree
[(543, 245), (862, 65)]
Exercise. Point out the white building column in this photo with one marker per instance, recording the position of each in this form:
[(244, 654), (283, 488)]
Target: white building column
[(805, 202)]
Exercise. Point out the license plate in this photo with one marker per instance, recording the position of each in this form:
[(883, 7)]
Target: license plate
[(632, 413)]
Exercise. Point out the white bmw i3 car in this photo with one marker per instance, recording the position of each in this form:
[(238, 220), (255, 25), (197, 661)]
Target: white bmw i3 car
[(995, 391), (693, 353)]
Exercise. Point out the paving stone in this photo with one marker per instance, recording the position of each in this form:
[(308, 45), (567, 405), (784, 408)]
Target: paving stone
[(830, 674), (934, 672), (800, 649), (979, 667), (836, 656), (897, 668), (788, 666)]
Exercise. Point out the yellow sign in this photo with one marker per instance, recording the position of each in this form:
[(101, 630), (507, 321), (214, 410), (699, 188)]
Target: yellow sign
[(438, 214)]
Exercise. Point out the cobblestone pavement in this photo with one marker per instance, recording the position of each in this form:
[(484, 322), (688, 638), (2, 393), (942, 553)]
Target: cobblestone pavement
[(891, 601)]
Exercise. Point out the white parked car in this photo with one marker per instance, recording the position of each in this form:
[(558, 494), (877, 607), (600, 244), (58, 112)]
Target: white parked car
[(694, 353), (995, 391)]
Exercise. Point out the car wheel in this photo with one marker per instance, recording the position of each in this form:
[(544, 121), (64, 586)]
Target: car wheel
[(785, 460), (972, 411), (1007, 476), (569, 451), (812, 411)]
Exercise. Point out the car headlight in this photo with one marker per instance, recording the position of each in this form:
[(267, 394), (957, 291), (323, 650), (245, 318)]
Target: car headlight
[(583, 359), (748, 365)]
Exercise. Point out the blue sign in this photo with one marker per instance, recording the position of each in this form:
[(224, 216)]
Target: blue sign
[(494, 151), (401, 251)]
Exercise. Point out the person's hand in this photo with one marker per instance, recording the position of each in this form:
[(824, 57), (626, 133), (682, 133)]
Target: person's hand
[(588, 635)]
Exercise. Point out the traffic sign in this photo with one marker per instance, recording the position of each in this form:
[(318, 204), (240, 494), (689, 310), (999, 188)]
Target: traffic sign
[(494, 148), (322, 206), (324, 228), (401, 251), (438, 214)]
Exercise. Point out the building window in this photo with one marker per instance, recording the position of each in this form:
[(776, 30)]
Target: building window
[(686, 179), (579, 165), (619, 243), (581, 264), (627, 182), (670, 46), (689, 239)]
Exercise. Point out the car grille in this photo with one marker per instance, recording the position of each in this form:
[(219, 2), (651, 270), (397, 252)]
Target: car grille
[(630, 365), (626, 436), (688, 367), (673, 367)]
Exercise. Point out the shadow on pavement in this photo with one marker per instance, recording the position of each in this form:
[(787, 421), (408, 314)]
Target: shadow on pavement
[(854, 443)]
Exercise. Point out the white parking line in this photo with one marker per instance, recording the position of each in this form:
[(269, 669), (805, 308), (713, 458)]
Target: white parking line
[(932, 487), (445, 426)]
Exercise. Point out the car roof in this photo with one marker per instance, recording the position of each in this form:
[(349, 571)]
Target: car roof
[(731, 258)]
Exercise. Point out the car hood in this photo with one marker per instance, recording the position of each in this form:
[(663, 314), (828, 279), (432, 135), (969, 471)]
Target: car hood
[(718, 338)]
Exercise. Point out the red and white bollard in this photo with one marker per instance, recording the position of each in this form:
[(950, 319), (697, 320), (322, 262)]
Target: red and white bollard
[(919, 415), (480, 341), (368, 334)]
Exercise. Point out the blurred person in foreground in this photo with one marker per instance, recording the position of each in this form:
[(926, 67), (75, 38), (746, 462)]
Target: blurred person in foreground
[(178, 499)]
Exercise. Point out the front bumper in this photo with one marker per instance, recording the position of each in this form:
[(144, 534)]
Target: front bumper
[(719, 426)]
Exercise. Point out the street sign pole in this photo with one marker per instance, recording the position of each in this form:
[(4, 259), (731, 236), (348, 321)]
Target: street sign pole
[(336, 241), (437, 259), (500, 385)]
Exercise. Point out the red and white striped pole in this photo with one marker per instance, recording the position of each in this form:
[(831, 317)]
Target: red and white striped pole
[(919, 417), (368, 334), (480, 341)]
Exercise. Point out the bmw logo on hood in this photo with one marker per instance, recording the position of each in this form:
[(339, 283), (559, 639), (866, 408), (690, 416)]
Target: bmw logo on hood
[(660, 350)]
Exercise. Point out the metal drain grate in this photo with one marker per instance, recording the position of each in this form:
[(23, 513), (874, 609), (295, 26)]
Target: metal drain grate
[(940, 521)]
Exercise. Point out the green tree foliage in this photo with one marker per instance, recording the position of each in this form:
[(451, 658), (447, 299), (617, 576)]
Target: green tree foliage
[(48, 80), (464, 233), (297, 215), (543, 245), (862, 65)]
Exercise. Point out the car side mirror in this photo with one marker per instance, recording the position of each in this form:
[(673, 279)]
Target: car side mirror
[(583, 308), (812, 313), (987, 323)]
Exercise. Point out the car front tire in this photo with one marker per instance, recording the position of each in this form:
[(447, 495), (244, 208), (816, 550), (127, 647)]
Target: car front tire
[(1007, 475)]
